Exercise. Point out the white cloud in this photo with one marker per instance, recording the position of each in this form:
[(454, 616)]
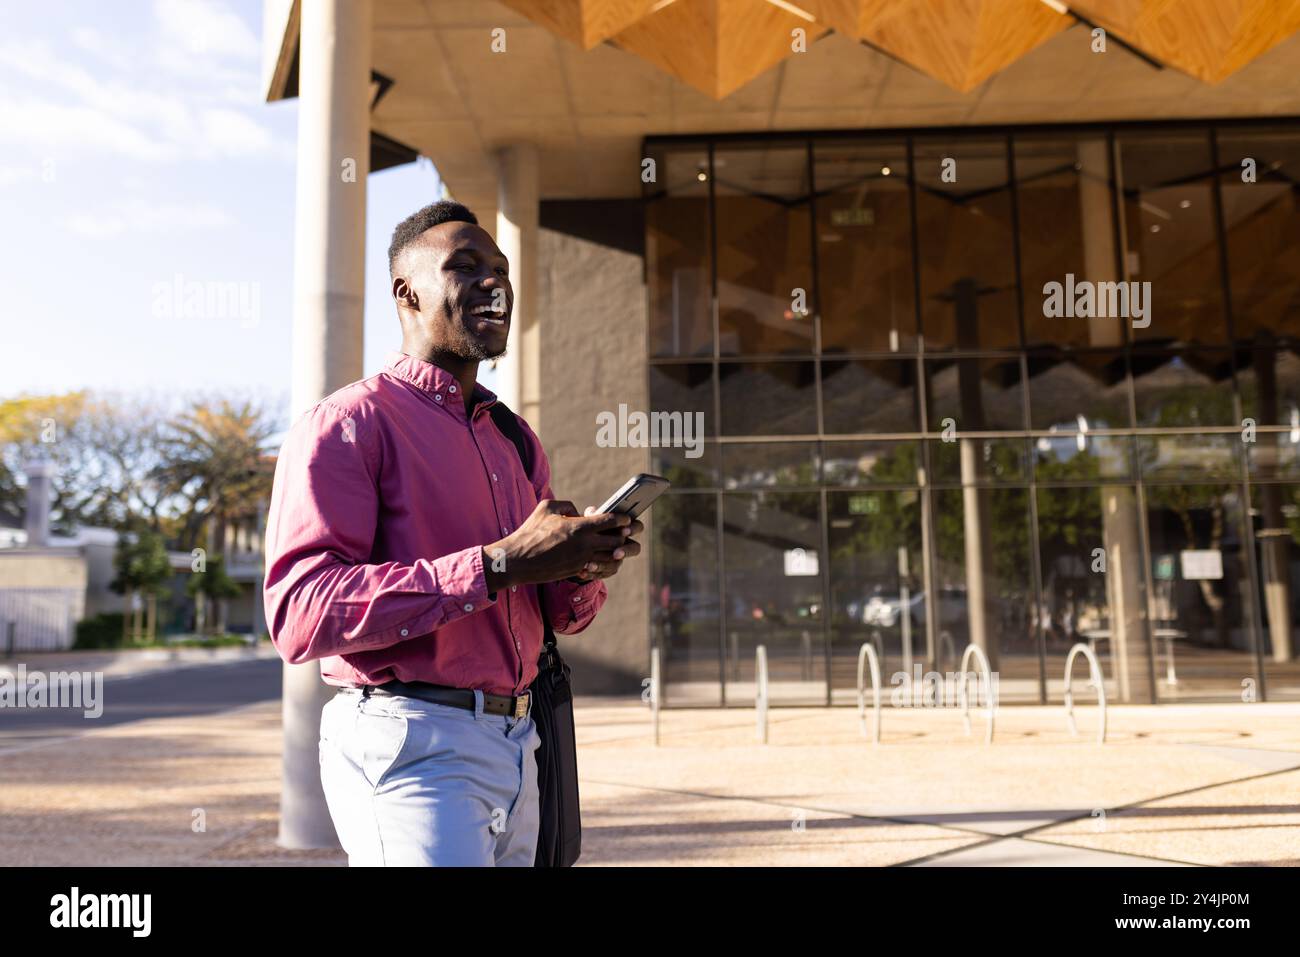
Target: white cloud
[(139, 116), (140, 216), (52, 129), (201, 26)]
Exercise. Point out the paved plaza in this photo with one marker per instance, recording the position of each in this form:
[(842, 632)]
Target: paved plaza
[(1191, 784)]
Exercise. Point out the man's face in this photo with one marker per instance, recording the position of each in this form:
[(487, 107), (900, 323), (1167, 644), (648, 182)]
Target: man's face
[(462, 283)]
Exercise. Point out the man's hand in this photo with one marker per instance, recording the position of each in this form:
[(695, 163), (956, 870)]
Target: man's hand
[(629, 549), (556, 542)]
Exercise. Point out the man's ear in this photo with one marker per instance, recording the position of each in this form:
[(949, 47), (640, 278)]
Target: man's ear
[(404, 294)]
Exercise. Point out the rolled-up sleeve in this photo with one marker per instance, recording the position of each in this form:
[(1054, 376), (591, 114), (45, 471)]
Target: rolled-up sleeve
[(322, 598), (569, 605)]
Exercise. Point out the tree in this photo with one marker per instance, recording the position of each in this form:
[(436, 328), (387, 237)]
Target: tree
[(215, 465), (212, 584), (142, 566)]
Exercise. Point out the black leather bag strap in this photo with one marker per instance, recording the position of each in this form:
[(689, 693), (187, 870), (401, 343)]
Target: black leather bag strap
[(508, 426), (559, 837)]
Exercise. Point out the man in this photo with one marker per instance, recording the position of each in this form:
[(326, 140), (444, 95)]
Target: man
[(407, 549)]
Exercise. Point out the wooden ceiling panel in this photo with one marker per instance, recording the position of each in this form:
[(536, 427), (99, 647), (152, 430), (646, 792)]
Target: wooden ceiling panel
[(960, 42), (585, 22), (717, 46), (1210, 39)]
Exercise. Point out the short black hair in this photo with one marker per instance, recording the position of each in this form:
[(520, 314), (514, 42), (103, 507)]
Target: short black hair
[(435, 214)]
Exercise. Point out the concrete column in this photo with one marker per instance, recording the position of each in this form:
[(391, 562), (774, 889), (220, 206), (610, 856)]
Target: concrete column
[(1119, 511), (329, 286), (518, 198)]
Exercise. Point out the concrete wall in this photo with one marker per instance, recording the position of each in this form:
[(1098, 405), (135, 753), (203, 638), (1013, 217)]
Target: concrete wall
[(592, 305), (43, 592)]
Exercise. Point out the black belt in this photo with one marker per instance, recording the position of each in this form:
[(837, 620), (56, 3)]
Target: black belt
[(515, 707)]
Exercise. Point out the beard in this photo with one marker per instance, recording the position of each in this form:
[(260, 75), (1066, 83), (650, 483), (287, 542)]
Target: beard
[(465, 345)]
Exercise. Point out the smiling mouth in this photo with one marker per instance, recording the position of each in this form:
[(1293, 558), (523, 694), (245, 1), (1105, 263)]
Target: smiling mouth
[(489, 314)]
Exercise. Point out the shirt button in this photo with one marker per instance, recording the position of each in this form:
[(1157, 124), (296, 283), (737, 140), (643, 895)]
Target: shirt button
[(494, 477), (503, 530), (514, 588), (405, 632), (577, 598), (437, 397), (451, 388), (469, 607)]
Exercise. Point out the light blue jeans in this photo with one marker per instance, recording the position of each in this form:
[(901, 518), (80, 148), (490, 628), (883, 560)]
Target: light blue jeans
[(411, 783)]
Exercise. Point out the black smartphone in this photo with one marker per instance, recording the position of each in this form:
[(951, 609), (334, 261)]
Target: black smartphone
[(636, 495)]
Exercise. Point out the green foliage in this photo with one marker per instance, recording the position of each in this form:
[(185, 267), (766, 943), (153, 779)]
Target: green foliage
[(100, 631), (213, 582), (141, 563)]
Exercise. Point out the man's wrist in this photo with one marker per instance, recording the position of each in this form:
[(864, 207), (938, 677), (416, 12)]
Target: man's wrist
[(495, 568)]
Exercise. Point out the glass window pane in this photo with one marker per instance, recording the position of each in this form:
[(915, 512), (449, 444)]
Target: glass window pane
[(685, 471), (1276, 513), (1078, 391), (685, 600), (1091, 565), (876, 582), (764, 250), (1262, 223), (870, 395), (1268, 375), (1201, 592), (864, 247), (983, 587), (976, 461), (1183, 457), (773, 574), (1082, 458), (1183, 388), (968, 276), (1066, 211), (677, 254), (976, 394), (685, 387), (768, 398), (870, 463), (769, 464), (1171, 240)]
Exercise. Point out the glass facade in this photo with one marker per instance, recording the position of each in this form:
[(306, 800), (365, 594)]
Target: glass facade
[(908, 444)]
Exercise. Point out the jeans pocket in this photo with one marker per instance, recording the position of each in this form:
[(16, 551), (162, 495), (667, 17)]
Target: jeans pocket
[(380, 736)]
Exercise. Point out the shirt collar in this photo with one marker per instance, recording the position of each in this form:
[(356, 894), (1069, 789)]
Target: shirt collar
[(438, 383)]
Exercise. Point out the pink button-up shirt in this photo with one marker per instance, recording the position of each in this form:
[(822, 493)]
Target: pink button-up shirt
[(385, 494)]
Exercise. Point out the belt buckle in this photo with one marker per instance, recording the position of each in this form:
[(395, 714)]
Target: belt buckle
[(521, 704)]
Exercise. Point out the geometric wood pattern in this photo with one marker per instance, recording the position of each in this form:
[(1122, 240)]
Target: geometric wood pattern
[(585, 22), (959, 42), (1210, 39), (717, 46)]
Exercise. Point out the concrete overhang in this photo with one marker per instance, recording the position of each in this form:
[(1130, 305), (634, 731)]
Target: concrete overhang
[(456, 101)]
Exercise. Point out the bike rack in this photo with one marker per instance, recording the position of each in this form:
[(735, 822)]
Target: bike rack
[(868, 654), (760, 690), (945, 640), (656, 690), (976, 652), (1094, 667)]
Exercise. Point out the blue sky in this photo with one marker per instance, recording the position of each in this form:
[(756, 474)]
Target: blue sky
[(136, 154)]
